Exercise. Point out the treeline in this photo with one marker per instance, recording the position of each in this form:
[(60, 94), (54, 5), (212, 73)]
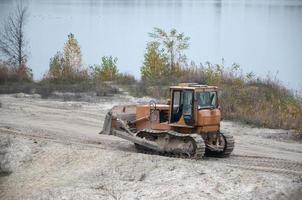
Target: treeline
[(66, 73), (67, 67)]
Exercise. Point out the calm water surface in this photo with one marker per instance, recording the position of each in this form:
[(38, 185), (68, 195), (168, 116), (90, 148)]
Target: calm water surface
[(264, 36)]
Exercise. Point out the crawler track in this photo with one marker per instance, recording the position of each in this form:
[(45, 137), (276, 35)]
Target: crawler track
[(228, 149), (195, 152)]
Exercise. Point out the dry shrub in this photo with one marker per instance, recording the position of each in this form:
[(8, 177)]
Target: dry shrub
[(3, 73), (11, 73), (125, 79), (262, 102)]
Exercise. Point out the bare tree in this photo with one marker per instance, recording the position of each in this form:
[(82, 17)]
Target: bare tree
[(12, 41)]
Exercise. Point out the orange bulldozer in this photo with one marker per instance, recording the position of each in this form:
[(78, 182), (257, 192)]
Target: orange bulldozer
[(187, 126)]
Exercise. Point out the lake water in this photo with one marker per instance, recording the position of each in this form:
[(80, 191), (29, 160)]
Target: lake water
[(263, 36)]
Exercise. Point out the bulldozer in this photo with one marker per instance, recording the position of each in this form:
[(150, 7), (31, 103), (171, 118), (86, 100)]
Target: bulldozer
[(188, 125)]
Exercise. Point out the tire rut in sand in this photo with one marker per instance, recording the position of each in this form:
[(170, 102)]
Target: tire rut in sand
[(267, 164), (255, 163), (89, 143)]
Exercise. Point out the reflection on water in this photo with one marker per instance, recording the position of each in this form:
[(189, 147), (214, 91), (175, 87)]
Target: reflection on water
[(264, 36)]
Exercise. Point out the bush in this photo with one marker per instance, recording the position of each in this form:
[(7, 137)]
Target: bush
[(46, 88), (4, 74), (125, 79), (17, 87), (11, 73), (107, 71)]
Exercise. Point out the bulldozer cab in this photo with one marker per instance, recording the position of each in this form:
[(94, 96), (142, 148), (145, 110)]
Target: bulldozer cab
[(187, 100)]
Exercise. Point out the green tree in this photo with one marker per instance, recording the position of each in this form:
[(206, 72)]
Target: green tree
[(56, 66), (155, 63), (107, 71), (173, 44)]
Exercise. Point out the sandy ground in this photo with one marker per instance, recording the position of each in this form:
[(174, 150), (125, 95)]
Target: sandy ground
[(51, 149)]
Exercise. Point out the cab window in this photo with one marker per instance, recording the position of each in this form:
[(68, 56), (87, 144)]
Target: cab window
[(206, 100)]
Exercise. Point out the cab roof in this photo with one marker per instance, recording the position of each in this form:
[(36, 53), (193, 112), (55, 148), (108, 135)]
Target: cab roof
[(193, 86)]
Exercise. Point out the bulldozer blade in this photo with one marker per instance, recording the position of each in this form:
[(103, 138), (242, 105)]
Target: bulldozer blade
[(107, 126), (137, 140), (127, 135)]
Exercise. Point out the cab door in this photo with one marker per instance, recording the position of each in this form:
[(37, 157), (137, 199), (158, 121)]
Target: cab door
[(188, 107), (182, 107)]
